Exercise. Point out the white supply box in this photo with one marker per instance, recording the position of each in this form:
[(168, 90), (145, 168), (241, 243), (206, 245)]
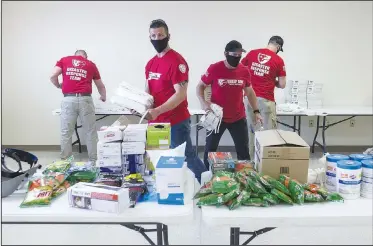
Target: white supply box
[(135, 133), (114, 148), (110, 134), (171, 180), (133, 148), (109, 160), (97, 197)]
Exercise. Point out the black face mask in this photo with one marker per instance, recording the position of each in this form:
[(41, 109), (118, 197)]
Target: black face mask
[(160, 45), (233, 60)]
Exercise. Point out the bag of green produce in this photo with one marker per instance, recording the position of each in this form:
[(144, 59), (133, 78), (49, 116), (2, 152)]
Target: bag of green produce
[(253, 175), (334, 197), (255, 186), (231, 195), (312, 197), (236, 202), (211, 199), (204, 190), (224, 174), (256, 202), (241, 178), (265, 183), (39, 196), (283, 197), (296, 191), (276, 184), (224, 185), (270, 198)]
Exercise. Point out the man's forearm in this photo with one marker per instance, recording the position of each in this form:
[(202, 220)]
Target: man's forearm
[(201, 94), (251, 96), (102, 91), (55, 82), (172, 102)]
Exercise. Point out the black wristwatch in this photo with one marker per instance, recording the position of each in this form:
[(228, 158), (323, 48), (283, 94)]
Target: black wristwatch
[(256, 111)]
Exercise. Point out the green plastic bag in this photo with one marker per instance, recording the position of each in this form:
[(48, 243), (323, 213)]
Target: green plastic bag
[(265, 183), (334, 197), (255, 202), (276, 184), (231, 195), (296, 191), (255, 186), (270, 198), (205, 190), (283, 197), (224, 185), (312, 197), (236, 202), (38, 197), (212, 199)]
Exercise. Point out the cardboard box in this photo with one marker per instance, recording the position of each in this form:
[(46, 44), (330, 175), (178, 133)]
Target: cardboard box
[(158, 136), (133, 148), (135, 133), (98, 197), (109, 160), (114, 148), (171, 180), (282, 152), (110, 134)]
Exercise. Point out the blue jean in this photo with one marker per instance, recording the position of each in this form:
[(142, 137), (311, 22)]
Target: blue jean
[(180, 133)]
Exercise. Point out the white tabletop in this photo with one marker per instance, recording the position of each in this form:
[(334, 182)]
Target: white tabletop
[(350, 213), (60, 211), (331, 111)]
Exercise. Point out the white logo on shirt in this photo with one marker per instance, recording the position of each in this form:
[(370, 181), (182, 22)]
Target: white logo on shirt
[(233, 82), (155, 76), (77, 63), (182, 68), (263, 58)]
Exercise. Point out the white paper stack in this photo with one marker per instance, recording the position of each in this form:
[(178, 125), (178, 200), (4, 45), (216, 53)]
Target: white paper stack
[(130, 97)]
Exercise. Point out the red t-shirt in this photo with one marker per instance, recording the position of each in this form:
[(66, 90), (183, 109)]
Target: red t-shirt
[(162, 73), (265, 66), (77, 74), (227, 89)]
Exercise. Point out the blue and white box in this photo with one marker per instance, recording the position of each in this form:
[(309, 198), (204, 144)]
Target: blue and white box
[(171, 180)]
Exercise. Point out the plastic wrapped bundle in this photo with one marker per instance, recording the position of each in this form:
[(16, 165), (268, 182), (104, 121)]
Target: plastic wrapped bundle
[(130, 97)]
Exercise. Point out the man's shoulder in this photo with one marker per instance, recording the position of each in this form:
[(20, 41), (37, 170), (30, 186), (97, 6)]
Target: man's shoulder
[(216, 65), (151, 60), (177, 56)]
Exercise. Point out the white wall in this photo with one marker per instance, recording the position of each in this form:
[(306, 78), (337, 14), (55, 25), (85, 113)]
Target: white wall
[(328, 42)]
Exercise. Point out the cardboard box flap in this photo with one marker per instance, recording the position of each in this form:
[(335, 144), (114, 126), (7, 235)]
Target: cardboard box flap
[(292, 139)]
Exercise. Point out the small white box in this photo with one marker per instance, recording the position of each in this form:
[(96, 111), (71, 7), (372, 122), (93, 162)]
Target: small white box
[(109, 160), (109, 148), (98, 197), (133, 148), (110, 134), (135, 133), (171, 180)]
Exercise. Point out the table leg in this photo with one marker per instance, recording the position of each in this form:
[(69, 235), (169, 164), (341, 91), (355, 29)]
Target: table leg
[(299, 123), (316, 134), (236, 232), (323, 134), (165, 234), (294, 123), (78, 138)]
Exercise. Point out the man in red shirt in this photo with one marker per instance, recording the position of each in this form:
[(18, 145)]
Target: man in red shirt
[(167, 75), (77, 75), (229, 81), (267, 71)]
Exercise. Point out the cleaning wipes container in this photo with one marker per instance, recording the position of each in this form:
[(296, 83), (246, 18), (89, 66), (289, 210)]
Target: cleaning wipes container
[(349, 178), (367, 179), (360, 157), (331, 170)]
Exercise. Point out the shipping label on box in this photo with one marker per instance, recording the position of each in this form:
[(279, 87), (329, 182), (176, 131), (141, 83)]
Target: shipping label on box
[(133, 148), (282, 152), (98, 197), (114, 148), (158, 136), (110, 134), (135, 133), (171, 180)]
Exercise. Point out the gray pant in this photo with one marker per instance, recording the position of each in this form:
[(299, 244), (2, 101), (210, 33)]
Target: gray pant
[(268, 111), (71, 108)]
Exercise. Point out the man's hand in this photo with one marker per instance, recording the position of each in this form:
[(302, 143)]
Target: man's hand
[(103, 98), (258, 119), (153, 114)]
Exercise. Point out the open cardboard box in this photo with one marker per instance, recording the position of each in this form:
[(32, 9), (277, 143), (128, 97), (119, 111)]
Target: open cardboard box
[(282, 152)]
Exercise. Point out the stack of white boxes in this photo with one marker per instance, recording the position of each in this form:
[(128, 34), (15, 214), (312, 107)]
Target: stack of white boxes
[(305, 93), (109, 150), (133, 148)]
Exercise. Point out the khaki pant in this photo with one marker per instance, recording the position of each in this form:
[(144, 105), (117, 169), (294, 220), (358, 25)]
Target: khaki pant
[(71, 109), (268, 111)]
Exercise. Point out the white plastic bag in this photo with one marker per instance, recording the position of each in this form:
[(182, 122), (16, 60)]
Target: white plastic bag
[(212, 119)]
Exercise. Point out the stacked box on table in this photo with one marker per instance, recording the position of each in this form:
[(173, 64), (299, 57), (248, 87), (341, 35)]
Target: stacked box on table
[(305, 93), (220, 161), (133, 148), (158, 136)]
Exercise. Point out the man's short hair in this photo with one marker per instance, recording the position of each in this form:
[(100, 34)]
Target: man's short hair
[(81, 52), (159, 23)]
